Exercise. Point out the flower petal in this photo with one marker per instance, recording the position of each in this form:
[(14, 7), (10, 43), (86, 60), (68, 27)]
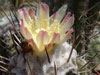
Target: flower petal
[(56, 18), (28, 34), (32, 22), (67, 25), (67, 36), (42, 39), (66, 18), (42, 15), (60, 13), (22, 29), (32, 13), (24, 15), (56, 38)]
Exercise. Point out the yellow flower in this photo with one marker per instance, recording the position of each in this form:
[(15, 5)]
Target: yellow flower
[(43, 31)]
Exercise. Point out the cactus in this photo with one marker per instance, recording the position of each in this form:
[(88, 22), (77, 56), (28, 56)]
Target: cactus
[(37, 44)]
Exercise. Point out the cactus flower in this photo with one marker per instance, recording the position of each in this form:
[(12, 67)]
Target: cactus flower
[(42, 30)]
